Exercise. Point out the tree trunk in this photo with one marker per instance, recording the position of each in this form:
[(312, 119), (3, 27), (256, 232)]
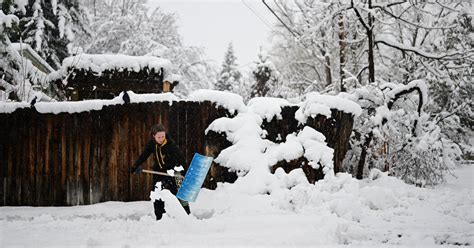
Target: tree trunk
[(370, 36), (328, 69), (363, 155), (342, 51)]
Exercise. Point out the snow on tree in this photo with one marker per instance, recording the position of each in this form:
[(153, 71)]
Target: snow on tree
[(19, 79), (230, 77), (48, 27), (373, 44), (394, 134), (265, 74)]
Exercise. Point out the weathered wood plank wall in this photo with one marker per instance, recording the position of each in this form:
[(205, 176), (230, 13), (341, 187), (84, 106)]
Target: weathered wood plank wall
[(84, 158)]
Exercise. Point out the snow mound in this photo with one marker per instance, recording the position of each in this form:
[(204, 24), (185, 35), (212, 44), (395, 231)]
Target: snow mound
[(172, 206), (251, 155)]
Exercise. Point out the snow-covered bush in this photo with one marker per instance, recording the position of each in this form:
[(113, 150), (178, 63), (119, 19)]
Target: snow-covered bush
[(394, 134), (426, 158)]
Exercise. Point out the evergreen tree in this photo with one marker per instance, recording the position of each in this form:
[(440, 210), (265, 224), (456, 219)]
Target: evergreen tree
[(49, 26), (19, 79), (229, 77), (265, 75)]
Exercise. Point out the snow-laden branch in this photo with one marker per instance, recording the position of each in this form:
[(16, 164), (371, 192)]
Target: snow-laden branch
[(410, 23), (7, 20), (415, 85), (8, 87), (405, 48), (361, 19), (388, 5)]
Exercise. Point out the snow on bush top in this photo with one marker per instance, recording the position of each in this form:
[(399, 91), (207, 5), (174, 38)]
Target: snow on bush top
[(101, 62), (230, 101)]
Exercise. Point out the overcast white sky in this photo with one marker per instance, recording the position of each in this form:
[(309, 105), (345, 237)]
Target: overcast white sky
[(213, 24)]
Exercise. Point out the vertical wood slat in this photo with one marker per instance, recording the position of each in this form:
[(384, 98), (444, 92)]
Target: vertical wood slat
[(181, 122), (70, 182), (22, 167), (64, 167), (126, 157), (54, 167), (78, 163), (94, 164), (31, 161), (87, 132), (39, 173), (3, 163), (109, 147), (121, 140), (15, 167), (103, 158)]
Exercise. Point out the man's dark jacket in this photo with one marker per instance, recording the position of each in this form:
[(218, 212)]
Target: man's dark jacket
[(165, 156)]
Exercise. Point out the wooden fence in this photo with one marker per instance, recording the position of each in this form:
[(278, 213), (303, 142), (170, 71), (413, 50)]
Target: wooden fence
[(84, 158)]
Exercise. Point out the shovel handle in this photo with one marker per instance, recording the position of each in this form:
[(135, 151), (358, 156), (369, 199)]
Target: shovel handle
[(161, 173)]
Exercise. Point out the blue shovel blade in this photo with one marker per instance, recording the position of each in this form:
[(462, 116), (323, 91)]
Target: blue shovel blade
[(194, 178)]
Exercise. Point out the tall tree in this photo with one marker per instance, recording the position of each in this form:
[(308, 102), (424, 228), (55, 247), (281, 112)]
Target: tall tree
[(229, 77)]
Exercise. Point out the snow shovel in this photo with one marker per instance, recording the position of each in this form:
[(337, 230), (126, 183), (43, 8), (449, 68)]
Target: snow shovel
[(161, 173), (194, 178)]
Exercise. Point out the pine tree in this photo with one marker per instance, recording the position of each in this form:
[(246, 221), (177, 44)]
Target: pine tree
[(265, 75), (48, 27), (19, 79), (229, 77)]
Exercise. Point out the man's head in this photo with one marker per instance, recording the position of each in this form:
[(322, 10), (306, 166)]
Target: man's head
[(158, 132)]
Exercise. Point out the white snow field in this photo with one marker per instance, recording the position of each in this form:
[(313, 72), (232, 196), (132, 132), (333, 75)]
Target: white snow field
[(378, 212)]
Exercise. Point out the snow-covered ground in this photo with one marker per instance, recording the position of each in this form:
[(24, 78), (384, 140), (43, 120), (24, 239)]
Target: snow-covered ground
[(339, 210)]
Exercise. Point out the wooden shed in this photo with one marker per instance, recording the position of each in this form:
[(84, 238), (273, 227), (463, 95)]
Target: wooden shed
[(104, 76)]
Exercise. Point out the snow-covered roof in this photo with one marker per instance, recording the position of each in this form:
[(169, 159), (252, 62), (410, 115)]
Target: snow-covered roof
[(101, 62), (26, 51)]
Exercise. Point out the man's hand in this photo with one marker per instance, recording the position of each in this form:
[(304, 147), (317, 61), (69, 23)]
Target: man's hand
[(136, 169)]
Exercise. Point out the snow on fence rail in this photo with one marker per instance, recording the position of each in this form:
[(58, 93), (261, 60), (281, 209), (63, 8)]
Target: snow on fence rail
[(56, 158)]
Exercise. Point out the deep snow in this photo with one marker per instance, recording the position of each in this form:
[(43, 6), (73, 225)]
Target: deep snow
[(336, 211)]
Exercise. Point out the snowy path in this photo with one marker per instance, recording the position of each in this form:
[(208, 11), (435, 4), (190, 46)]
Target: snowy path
[(333, 212)]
